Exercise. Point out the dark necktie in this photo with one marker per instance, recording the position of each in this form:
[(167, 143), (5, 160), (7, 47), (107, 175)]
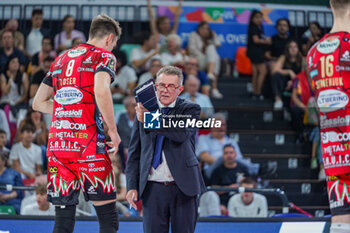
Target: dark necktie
[(157, 156)]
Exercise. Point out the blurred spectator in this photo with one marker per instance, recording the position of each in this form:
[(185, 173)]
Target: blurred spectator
[(38, 77), (14, 84), (63, 40), (173, 55), (125, 80), (25, 156), (4, 126), (35, 119), (12, 26), (41, 206), (45, 52), (209, 150), (311, 36), (247, 204), (202, 45), (140, 57), (120, 180), (191, 93), (9, 176), (36, 33), (3, 142), (229, 174), (8, 50), (155, 66), (284, 72), (192, 68), (303, 91), (279, 41), (161, 27), (76, 41), (126, 122), (257, 43)]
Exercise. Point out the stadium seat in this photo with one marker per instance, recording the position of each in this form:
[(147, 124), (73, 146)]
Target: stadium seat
[(243, 64), (127, 49), (7, 209), (290, 215)]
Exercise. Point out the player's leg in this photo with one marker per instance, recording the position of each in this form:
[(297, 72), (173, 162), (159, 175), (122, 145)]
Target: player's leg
[(99, 185), (340, 224), (339, 203), (63, 192)]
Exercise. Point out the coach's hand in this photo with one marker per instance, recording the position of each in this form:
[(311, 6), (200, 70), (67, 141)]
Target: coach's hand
[(115, 140), (139, 111), (131, 197)]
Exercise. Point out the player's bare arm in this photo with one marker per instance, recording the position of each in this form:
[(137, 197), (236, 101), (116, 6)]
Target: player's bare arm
[(43, 99)]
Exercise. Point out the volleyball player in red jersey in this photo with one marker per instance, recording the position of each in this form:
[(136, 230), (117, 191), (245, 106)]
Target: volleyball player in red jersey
[(329, 67), (79, 82)]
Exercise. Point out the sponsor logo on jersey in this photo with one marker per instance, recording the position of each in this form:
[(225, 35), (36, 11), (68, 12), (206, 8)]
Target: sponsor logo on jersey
[(64, 146), (53, 170), (107, 55), (62, 135), (331, 136), (342, 68), (80, 69), (97, 169), (68, 125), (99, 123), (87, 60), (345, 56), (56, 72), (76, 52), (313, 73), (91, 190), (68, 95), (328, 45), (60, 112), (101, 136), (101, 144), (310, 62), (111, 64), (59, 62), (332, 100), (334, 122)]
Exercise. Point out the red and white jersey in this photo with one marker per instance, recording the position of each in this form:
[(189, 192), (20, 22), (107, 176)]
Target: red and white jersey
[(77, 127), (329, 66)]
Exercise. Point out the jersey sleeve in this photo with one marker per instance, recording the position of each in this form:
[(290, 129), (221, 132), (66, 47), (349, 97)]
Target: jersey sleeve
[(107, 64), (48, 78)]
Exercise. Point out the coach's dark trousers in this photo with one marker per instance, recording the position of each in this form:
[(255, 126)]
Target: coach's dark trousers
[(166, 203)]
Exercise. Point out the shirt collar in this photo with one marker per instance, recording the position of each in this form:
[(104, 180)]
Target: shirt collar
[(172, 105)]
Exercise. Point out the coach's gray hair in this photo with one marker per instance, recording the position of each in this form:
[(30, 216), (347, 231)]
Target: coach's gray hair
[(171, 70)]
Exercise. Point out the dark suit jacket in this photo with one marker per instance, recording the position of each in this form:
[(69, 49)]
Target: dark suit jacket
[(124, 130), (179, 150)]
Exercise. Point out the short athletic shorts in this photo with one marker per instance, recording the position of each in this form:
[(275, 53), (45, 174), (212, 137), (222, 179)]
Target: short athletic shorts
[(93, 174), (339, 199)]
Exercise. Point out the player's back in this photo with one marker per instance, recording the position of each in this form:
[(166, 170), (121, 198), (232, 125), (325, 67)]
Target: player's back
[(76, 126), (329, 67)]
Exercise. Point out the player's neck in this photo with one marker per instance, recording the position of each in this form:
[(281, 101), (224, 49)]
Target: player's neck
[(96, 43), (340, 25)]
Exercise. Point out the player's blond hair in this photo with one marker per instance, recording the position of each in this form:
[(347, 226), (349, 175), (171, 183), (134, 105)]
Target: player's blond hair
[(103, 25)]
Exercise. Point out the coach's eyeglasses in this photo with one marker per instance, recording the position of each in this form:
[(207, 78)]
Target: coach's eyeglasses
[(163, 86)]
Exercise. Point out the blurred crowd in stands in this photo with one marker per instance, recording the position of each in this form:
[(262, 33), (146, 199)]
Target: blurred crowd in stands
[(25, 58)]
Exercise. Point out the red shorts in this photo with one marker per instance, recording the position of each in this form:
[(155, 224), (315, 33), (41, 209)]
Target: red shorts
[(93, 174), (338, 194)]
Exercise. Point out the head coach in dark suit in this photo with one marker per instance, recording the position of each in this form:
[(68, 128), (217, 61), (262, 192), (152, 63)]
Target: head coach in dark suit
[(162, 167)]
